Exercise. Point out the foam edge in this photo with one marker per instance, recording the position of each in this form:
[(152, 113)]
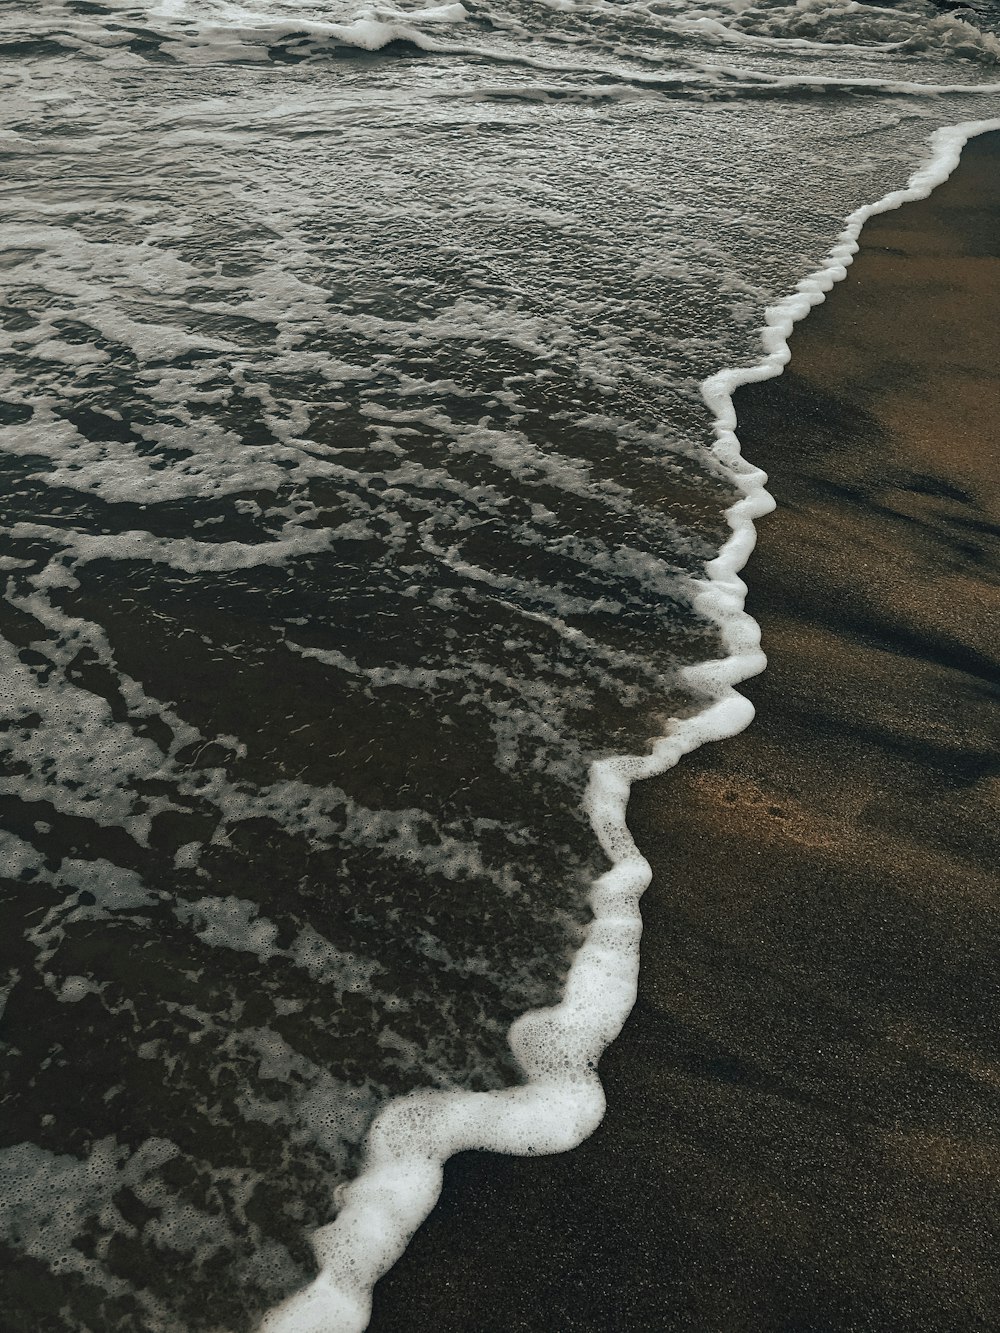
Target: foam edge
[(562, 1101)]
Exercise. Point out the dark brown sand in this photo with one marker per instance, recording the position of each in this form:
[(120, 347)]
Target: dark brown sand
[(804, 1109)]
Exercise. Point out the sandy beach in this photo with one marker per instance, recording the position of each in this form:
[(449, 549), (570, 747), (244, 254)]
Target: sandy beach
[(803, 1129)]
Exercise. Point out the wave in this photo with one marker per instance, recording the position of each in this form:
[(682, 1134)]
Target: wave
[(562, 1100), (557, 36), (845, 25), (352, 428), (371, 29), (724, 84)]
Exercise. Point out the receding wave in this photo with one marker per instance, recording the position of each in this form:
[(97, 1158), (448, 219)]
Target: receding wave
[(364, 507)]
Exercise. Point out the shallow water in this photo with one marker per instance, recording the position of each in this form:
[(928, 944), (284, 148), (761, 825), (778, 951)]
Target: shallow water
[(357, 497)]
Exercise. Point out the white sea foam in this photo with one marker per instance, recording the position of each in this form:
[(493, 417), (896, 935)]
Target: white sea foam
[(352, 438), (369, 29), (562, 1100)]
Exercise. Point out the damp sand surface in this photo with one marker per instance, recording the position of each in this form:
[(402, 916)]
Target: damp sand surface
[(803, 1129)]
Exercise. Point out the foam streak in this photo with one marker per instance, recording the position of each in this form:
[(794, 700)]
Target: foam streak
[(562, 1100)]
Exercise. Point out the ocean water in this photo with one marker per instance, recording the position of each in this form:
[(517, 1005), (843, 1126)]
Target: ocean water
[(360, 506)]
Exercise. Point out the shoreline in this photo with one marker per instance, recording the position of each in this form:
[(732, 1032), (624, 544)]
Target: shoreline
[(756, 962)]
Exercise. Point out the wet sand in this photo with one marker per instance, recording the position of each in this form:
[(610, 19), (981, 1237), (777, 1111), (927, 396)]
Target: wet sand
[(803, 1129)]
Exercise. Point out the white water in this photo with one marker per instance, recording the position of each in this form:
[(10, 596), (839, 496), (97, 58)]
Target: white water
[(362, 501), (563, 1102)]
